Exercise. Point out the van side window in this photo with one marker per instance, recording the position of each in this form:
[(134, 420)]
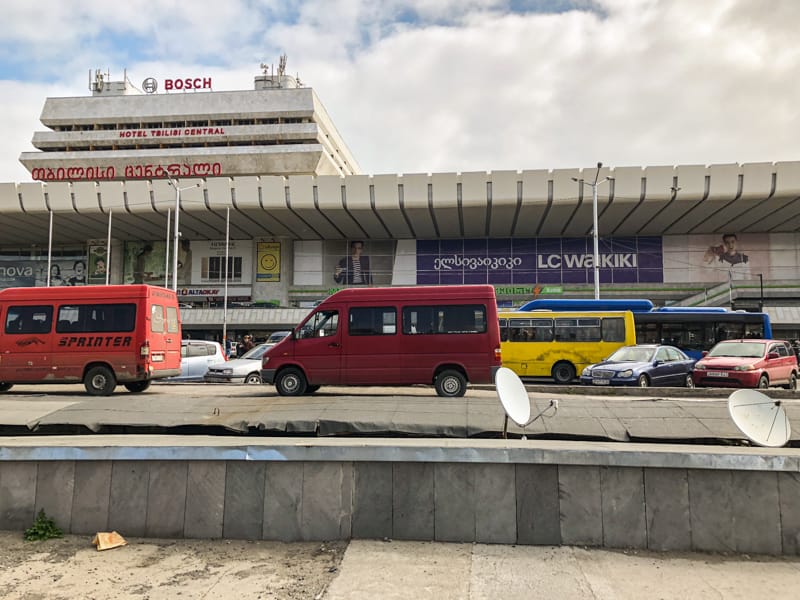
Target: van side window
[(94, 318), (379, 320), (172, 320), (458, 318), (29, 319), (157, 318)]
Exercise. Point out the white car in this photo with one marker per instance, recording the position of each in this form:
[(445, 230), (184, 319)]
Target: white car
[(196, 357), (245, 369)]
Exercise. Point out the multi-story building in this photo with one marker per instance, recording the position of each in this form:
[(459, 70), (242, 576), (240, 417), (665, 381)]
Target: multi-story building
[(120, 133)]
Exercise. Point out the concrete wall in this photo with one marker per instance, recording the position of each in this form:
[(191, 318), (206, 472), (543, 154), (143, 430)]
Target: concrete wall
[(488, 491)]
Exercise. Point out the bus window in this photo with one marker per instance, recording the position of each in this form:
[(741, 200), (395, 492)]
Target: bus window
[(613, 329)]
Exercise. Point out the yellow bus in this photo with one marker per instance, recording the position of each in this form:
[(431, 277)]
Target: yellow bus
[(560, 345)]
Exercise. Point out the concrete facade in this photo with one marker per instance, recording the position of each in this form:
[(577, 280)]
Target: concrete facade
[(488, 491), (120, 133)]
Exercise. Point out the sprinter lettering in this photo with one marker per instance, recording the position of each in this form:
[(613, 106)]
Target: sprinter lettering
[(95, 341)]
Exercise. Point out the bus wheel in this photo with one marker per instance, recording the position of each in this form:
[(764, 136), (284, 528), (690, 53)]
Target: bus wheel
[(291, 382), (4, 387), (450, 384), (100, 381), (137, 386), (563, 373), (252, 379)]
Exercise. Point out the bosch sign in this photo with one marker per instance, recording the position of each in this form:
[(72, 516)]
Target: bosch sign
[(150, 85), (188, 83)]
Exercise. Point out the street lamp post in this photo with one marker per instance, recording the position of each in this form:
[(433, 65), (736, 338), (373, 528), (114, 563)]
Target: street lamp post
[(761, 297), (177, 235), (596, 255)]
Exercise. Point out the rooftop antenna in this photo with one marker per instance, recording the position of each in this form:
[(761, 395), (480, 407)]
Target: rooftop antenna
[(760, 418), (515, 401), (282, 65)]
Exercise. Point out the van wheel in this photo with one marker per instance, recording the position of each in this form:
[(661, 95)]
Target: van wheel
[(563, 373), (763, 383), (100, 381), (252, 379), (137, 386), (4, 387), (450, 384), (291, 382)]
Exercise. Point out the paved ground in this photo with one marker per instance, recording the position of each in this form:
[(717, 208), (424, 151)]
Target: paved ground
[(665, 414), (71, 569)]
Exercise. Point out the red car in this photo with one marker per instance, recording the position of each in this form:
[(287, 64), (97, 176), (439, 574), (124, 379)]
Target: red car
[(747, 364)]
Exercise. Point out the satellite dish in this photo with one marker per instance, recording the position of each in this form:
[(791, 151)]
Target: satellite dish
[(515, 401), (513, 396), (760, 418)]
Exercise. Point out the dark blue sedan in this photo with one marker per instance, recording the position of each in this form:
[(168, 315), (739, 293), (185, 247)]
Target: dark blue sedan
[(643, 365)]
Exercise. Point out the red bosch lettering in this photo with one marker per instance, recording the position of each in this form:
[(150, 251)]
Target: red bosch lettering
[(188, 83)]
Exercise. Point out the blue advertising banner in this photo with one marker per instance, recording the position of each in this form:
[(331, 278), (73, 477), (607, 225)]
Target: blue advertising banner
[(539, 260)]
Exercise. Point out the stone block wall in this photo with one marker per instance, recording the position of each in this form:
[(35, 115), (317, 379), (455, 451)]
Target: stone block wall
[(675, 509)]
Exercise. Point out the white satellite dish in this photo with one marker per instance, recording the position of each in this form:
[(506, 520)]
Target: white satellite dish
[(760, 418), (513, 395), (515, 401)]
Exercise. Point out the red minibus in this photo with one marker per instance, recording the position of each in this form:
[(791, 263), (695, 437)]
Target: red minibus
[(100, 335), (441, 335)]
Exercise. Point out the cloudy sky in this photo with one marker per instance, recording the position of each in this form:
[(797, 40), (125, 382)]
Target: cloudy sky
[(447, 85)]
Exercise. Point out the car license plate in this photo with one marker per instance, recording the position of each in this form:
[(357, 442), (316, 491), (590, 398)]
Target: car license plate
[(601, 381), (717, 373)]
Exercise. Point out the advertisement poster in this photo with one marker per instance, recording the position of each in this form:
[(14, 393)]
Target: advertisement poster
[(526, 261), (199, 262), (145, 262), (718, 258), (98, 262), (269, 262), (358, 262)]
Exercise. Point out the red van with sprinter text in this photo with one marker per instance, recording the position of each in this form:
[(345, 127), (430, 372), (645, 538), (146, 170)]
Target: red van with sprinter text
[(446, 336), (98, 335)]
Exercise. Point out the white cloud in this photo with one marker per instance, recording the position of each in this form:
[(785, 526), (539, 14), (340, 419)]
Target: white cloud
[(468, 85)]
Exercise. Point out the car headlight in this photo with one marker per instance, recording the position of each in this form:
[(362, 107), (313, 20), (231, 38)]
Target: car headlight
[(743, 368), (227, 371), (587, 372), (699, 367), (625, 373)]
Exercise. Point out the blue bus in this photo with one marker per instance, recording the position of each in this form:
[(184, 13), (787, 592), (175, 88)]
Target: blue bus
[(692, 329)]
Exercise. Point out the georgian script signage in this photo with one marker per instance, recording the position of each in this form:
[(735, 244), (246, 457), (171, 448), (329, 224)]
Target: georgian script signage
[(109, 172)]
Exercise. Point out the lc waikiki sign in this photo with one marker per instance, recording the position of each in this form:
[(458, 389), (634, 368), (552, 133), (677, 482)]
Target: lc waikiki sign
[(519, 261)]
